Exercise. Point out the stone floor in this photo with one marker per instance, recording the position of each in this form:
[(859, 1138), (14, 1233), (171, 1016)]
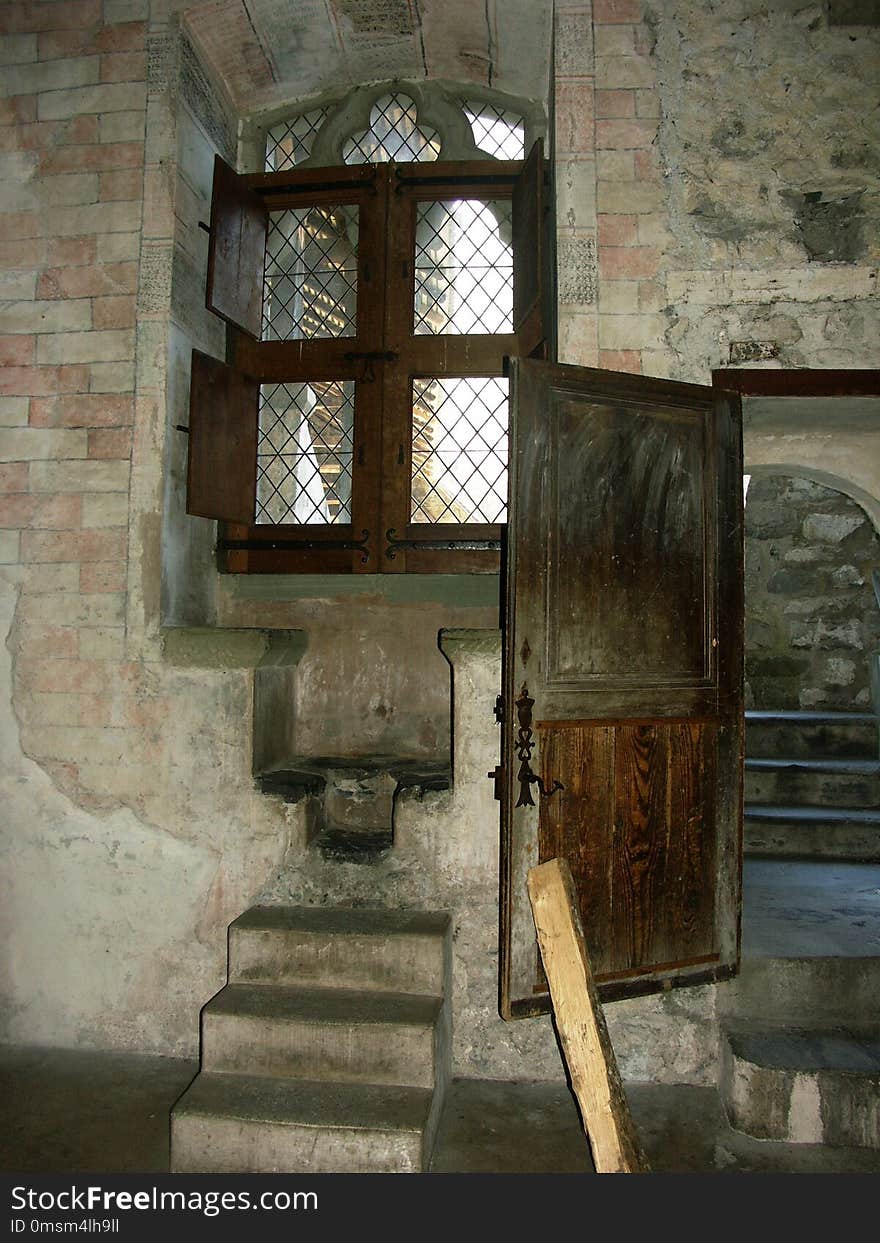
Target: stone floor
[(810, 909), (69, 1111)]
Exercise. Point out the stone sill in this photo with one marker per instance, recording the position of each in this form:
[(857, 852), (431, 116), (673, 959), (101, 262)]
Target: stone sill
[(213, 647), (470, 642), (464, 590)]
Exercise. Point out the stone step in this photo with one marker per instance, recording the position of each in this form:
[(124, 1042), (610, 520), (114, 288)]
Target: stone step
[(334, 1034), (773, 832), (822, 783), (803, 1086), (823, 991), (231, 1123), (812, 735), (741, 1154), (376, 950)]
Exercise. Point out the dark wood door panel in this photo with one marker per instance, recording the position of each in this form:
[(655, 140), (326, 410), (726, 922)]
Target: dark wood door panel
[(623, 634), (635, 822), (643, 560)]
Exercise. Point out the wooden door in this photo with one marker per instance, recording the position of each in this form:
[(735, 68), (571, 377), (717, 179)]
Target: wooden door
[(623, 675)]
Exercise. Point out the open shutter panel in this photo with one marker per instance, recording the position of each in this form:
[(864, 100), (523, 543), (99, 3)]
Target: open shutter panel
[(530, 256), (221, 471), (237, 251)]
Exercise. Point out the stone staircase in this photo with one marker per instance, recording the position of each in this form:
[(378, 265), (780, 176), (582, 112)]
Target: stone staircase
[(327, 1051), (800, 1026), (800, 1051), (812, 786)]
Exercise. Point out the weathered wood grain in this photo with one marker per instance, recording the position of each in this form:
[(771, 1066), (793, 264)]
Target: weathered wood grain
[(583, 1034), (623, 618)]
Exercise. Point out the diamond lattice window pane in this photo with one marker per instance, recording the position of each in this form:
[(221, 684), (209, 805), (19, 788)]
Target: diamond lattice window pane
[(459, 450), (304, 452), (463, 268), (290, 142), (393, 134), (496, 131), (310, 285)]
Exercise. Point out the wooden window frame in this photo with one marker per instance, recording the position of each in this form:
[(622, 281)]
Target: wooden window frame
[(379, 538)]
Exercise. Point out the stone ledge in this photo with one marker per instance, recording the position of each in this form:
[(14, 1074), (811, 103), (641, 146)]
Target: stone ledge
[(470, 642), (212, 647)]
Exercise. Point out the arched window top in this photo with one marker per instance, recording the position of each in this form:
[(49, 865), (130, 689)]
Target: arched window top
[(497, 131), (394, 133), (402, 122), (290, 142)]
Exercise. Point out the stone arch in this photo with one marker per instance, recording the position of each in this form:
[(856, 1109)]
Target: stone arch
[(812, 627), (440, 106), (869, 503)]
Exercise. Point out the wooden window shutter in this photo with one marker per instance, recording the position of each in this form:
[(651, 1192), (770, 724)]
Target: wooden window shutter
[(530, 257), (236, 251), (222, 466)]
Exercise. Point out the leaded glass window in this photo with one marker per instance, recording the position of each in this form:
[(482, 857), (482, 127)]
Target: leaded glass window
[(291, 142), (310, 282), (463, 268), (459, 450), (363, 415), (496, 131), (393, 134), (304, 453)]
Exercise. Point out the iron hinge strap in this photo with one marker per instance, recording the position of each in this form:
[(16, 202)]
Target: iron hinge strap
[(439, 545), (297, 545)]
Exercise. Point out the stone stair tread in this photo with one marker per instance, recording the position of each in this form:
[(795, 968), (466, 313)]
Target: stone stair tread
[(734, 1149), (842, 1050), (862, 767), (817, 815), (359, 921), (286, 1003), (834, 718), (334, 1058), (305, 1102)]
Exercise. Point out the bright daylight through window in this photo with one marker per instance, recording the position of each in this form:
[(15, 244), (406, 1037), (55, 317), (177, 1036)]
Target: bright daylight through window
[(386, 311), (463, 284)]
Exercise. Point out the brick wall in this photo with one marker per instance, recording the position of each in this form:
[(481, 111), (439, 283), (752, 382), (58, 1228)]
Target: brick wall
[(609, 197), (73, 154), (131, 832)]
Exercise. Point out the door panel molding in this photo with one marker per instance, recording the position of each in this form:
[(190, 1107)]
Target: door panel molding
[(624, 617)]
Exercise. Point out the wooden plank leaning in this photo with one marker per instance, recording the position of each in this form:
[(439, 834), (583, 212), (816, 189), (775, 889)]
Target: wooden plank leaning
[(580, 1023)]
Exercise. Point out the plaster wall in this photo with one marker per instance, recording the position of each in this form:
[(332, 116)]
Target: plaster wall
[(445, 857), (131, 833), (838, 457)]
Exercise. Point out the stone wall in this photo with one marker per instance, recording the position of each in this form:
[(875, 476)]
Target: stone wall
[(812, 620), (446, 857), (131, 831), (736, 191), (769, 155)]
